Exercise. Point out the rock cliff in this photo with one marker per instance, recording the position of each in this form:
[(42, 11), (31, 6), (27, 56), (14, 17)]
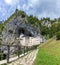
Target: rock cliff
[(15, 28)]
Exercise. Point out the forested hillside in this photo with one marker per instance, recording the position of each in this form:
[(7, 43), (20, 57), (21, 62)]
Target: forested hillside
[(48, 27)]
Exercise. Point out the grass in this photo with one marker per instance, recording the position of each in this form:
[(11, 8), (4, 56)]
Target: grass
[(49, 53)]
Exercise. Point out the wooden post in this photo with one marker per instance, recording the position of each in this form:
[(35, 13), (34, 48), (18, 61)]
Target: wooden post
[(18, 52), (8, 47), (24, 50)]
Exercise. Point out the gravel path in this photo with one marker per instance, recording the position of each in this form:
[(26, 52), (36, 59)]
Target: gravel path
[(26, 60)]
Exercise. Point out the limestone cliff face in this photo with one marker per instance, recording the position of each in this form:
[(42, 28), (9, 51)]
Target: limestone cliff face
[(15, 28)]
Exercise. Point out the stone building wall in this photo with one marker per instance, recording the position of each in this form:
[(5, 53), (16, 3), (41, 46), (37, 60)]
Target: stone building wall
[(30, 41)]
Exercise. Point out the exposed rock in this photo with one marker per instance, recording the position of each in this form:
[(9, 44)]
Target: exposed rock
[(46, 23), (15, 27)]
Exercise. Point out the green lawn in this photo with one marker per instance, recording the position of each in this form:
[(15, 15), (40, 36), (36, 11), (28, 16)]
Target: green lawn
[(49, 53)]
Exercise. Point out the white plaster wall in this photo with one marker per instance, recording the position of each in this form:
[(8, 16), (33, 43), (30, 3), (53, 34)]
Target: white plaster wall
[(30, 41)]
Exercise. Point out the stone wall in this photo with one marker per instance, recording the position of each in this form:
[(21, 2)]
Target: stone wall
[(30, 41)]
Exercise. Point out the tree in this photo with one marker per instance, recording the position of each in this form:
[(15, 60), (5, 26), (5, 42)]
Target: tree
[(22, 13), (58, 35)]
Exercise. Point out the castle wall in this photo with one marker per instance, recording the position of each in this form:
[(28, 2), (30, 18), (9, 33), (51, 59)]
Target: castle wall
[(30, 41)]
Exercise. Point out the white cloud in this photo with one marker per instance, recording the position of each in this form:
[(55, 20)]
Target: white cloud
[(25, 7), (8, 1), (19, 7), (39, 8), (34, 2), (12, 2), (45, 8), (52, 15)]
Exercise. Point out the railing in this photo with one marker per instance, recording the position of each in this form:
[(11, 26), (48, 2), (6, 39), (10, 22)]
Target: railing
[(20, 50)]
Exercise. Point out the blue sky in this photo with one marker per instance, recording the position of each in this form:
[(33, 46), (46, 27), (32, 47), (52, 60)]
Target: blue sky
[(39, 8)]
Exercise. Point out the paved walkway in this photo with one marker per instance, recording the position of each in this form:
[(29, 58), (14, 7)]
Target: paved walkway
[(13, 58), (26, 60)]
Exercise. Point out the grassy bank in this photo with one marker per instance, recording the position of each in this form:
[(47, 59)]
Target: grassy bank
[(49, 53)]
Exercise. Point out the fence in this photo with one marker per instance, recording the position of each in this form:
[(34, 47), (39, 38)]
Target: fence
[(20, 50)]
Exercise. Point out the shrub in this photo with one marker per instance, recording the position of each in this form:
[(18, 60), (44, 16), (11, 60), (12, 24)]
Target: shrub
[(58, 35)]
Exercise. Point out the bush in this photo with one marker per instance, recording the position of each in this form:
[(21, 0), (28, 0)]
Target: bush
[(22, 13), (58, 35), (2, 56)]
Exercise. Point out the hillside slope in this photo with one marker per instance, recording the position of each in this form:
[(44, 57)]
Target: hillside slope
[(49, 53)]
